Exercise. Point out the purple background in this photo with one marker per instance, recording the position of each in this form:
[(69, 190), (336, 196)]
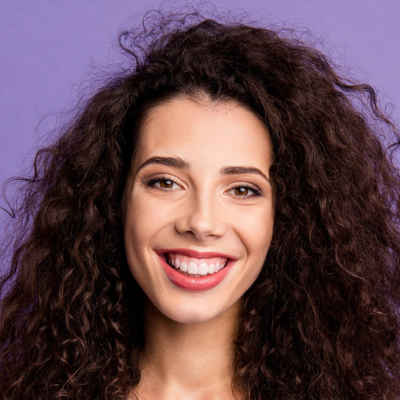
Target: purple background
[(47, 47)]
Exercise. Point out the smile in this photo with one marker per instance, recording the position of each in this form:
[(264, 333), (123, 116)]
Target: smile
[(194, 271), (195, 267)]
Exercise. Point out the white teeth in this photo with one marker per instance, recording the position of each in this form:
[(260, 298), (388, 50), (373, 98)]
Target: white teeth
[(192, 269), (219, 266), (211, 269), (203, 269), (183, 266)]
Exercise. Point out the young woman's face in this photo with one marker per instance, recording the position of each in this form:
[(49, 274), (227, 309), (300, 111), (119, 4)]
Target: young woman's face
[(198, 207)]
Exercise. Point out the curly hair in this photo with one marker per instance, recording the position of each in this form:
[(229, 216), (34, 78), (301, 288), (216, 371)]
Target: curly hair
[(322, 319)]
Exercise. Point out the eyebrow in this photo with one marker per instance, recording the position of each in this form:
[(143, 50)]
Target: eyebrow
[(243, 170), (182, 164)]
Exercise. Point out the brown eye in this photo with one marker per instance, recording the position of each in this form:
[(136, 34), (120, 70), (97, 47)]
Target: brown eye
[(241, 191), (245, 192), (166, 183), (162, 183)]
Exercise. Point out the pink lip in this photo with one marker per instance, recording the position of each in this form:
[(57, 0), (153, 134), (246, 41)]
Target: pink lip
[(194, 284), (194, 253)]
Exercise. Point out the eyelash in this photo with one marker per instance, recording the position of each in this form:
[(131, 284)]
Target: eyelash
[(151, 183)]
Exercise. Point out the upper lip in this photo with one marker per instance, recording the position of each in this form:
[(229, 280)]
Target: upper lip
[(194, 253)]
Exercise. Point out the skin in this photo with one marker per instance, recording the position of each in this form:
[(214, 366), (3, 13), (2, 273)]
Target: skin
[(189, 335)]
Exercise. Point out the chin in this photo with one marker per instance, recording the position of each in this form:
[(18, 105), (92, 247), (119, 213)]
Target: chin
[(190, 314)]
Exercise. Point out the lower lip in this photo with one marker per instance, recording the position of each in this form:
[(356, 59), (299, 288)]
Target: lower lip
[(195, 284)]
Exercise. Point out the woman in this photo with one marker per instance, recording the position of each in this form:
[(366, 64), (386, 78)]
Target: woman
[(219, 221)]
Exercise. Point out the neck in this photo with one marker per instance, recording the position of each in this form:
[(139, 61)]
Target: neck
[(193, 361)]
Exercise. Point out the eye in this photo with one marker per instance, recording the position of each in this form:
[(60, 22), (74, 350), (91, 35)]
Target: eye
[(245, 191), (163, 183)]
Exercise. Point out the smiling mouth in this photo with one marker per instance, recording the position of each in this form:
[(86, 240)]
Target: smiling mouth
[(195, 267)]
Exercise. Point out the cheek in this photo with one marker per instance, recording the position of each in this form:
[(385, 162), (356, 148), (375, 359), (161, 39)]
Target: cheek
[(138, 231), (256, 228), (144, 219), (255, 231)]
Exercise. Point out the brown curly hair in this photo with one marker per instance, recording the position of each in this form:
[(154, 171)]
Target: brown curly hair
[(322, 319)]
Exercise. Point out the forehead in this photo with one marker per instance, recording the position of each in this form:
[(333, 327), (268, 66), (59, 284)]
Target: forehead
[(204, 132)]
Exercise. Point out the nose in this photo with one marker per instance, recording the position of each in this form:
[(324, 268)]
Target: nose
[(202, 218)]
